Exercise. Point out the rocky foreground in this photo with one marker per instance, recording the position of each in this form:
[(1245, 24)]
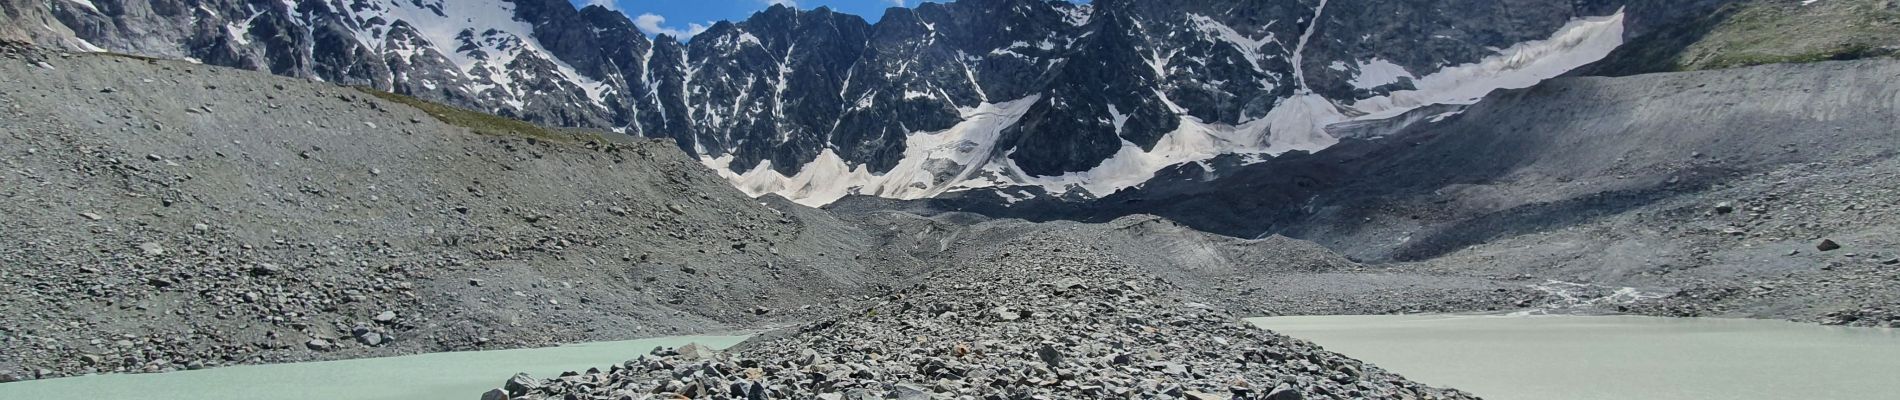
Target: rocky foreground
[(1044, 318)]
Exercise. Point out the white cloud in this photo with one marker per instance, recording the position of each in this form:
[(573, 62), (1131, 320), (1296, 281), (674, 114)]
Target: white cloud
[(655, 24), (787, 3), (898, 3)]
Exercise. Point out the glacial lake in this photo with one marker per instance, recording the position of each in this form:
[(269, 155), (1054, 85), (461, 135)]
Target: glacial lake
[(1615, 357), (435, 376), (1497, 357)]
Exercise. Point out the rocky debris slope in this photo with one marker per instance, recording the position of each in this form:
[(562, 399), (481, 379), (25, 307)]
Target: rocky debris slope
[(1611, 182), (1043, 317), (164, 215), (1812, 242)]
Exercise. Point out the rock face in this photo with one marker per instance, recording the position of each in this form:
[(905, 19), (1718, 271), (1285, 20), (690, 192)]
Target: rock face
[(1110, 331), (814, 104)]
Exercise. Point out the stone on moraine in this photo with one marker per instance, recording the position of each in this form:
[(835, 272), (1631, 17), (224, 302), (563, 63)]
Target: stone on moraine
[(520, 384), (152, 249), (1827, 245), (909, 392), (8, 376), (676, 209), (385, 317), (91, 216), (1193, 395), (370, 339), (1049, 355), (695, 352), (265, 269), (317, 344), (1284, 392), (1172, 369), (495, 394), (1006, 314), (1724, 207)]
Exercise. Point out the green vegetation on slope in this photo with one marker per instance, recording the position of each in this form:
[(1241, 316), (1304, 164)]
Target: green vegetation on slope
[(1756, 32), (484, 123)]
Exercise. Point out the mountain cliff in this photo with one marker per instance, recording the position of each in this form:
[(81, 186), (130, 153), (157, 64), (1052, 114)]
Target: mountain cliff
[(1077, 99)]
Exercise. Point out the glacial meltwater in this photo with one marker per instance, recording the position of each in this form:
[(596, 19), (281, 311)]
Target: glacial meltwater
[(1616, 357), (436, 376)]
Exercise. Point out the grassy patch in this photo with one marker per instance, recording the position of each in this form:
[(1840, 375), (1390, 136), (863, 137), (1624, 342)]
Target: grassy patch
[(1756, 32), (1769, 32), (484, 123)]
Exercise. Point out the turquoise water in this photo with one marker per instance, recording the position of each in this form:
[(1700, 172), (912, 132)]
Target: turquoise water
[(447, 376), (1499, 358), (1618, 357)]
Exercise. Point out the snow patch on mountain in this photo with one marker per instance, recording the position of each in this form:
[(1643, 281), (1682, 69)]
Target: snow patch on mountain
[(1249, 47), (1580, 42), (481, 54), (934, 162), (1378, 72)]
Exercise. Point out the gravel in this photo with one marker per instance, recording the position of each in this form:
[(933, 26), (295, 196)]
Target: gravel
[(1044, 317)]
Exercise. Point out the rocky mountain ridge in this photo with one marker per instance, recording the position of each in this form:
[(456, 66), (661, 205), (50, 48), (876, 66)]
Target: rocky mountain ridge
[(1078, 99)]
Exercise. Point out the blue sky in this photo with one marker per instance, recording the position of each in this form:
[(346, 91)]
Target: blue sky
[(685, 17)]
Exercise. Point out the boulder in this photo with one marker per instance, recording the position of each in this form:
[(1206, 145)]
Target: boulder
[(695, 352), (495, 394), (520, 385), (1284, 392), (1827, 245)]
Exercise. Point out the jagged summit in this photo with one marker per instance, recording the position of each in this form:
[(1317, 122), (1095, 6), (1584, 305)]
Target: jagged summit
[(1076, 99)]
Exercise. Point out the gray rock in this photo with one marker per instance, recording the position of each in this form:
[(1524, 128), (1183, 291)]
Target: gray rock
[(1284, 392), (1067, 284), (1049, 355), (1724, 207), (371, 339), (266, 269), (8, 376), (318, 344), (91, 216), (695, 352), (1005, 314), (385, 317), (1194, 395), (909, 392), (520, 385), (152, 249), (1827, 245), (495, 394)]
